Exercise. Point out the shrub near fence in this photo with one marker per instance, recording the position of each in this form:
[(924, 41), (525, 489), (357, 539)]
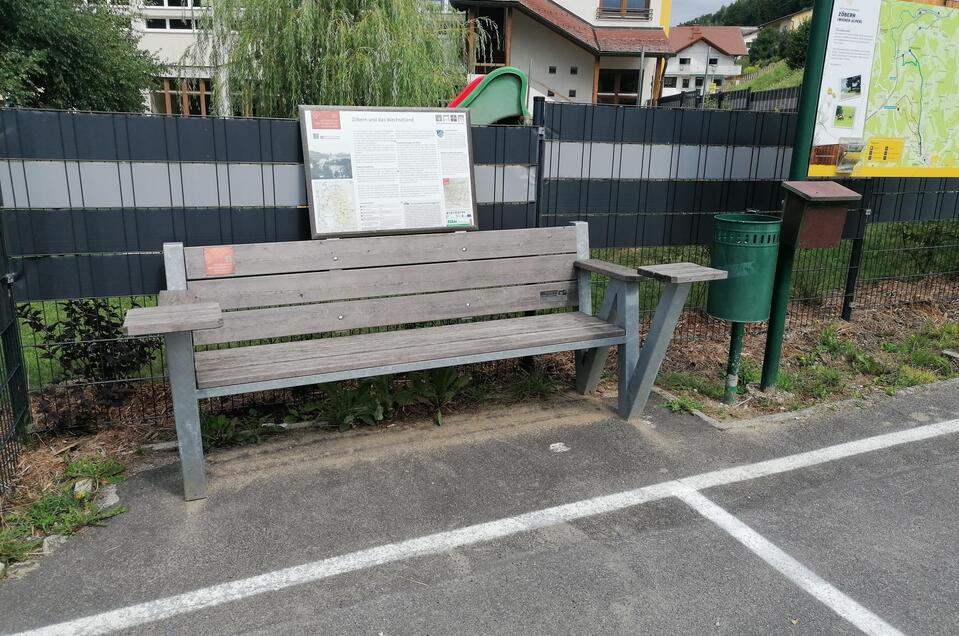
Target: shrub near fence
[(88, 200)]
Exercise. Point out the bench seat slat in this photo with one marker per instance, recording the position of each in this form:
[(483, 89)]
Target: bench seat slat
[(269, 362), (286, 289), (277, 322), (311, 256), (364, 343)]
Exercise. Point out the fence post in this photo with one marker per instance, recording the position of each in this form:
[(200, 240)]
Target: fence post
[(749, 99), (539, 122), (855, 257)]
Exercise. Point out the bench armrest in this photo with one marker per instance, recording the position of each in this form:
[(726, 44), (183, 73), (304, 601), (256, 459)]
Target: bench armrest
[(680, 273), (618, 272), (148, 321)]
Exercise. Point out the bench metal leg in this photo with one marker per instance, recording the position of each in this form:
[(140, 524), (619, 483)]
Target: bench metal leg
[(590, 363), (628, 318), (643, 373), (186, 409)]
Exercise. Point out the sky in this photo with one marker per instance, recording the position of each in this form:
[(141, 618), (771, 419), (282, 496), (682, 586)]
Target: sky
[(688, 9)]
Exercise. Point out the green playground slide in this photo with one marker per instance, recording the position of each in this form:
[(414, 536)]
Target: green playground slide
[(498, 97)]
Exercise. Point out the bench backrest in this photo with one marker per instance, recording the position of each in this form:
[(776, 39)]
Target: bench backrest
[(274, 290)]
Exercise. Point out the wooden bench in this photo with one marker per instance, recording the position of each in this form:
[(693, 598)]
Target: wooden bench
[(247, 294)]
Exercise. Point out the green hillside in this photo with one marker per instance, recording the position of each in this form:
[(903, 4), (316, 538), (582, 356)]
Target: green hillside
[(751, 12), (777, 75)]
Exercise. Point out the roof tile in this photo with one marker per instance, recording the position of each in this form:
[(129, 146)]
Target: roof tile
[(599, 40), (728, 40)]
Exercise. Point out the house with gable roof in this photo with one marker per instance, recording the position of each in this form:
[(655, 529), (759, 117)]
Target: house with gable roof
[(581, 51), (703, 57)]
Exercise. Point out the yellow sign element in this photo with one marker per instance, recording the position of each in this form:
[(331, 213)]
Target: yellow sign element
[(885, 150), (882, 171)]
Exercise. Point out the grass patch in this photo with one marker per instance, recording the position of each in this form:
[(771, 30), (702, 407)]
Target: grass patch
[(100, 470), (225, 430), (835, 362), (907, 376), (533, 384), (683, 404), (685, 381), (59, 511)]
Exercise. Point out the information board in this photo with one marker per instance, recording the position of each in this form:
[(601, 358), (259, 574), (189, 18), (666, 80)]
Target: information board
[(889, 100), (387, 170)]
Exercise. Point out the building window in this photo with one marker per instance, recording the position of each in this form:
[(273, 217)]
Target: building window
[(713, 61), (175, 96), (718, 81), (700, 81), (572, 92), (574, 70), (174, 24), (624, 9), (669, 81), (684, 61), (685, 82), (552, 70), (618, 87), (550, 94), (493, 56)]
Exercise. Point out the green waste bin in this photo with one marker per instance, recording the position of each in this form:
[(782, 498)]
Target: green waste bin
[(746, 246)]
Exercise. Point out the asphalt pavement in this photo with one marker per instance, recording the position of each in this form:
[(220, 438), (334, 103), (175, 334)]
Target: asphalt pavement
[(539, 519)]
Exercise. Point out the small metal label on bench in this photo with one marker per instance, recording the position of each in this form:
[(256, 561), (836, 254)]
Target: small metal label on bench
[(553, 294)]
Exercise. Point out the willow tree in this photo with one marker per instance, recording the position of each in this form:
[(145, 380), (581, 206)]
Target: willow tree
[(272, 55)]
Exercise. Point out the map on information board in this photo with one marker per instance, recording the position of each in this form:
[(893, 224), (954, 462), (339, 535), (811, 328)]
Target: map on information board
[(387, 170), (889, 101)]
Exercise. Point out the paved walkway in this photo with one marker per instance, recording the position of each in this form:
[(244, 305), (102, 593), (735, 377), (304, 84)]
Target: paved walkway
[(561, 520)]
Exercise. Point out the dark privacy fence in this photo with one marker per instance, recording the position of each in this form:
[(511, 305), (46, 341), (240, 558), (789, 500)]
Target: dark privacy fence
[(649, 181), (87, 200), (784, 100)]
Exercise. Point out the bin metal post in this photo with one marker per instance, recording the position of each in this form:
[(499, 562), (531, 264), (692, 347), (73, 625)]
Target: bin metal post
[(735, 358)]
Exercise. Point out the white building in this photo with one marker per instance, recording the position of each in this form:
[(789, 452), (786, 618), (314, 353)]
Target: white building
[(703, 57), (583, 51), (168, 28), (749, 36)]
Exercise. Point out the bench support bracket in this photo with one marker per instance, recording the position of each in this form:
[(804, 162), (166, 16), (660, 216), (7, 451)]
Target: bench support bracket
[(642, 374)]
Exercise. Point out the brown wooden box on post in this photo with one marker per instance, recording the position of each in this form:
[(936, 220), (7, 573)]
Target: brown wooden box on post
[(815, 213)]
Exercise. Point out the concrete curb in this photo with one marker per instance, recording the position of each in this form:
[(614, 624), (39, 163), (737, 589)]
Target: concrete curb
[(162, 447), (730, 425), (779, 418)]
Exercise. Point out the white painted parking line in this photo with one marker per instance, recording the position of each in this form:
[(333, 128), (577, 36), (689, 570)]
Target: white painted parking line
[(820, 456), (152, 611), (789, 567)]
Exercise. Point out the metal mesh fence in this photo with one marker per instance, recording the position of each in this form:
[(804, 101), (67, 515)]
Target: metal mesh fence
[(901, 263)]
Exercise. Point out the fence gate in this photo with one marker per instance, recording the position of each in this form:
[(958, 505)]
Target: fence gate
[(13, 386)]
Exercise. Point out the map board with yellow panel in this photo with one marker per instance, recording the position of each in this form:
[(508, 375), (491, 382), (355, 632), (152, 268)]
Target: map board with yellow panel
[(889, 100)]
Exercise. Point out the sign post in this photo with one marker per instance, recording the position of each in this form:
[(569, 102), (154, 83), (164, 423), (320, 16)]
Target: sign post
[(878, 100), (802, 149)]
